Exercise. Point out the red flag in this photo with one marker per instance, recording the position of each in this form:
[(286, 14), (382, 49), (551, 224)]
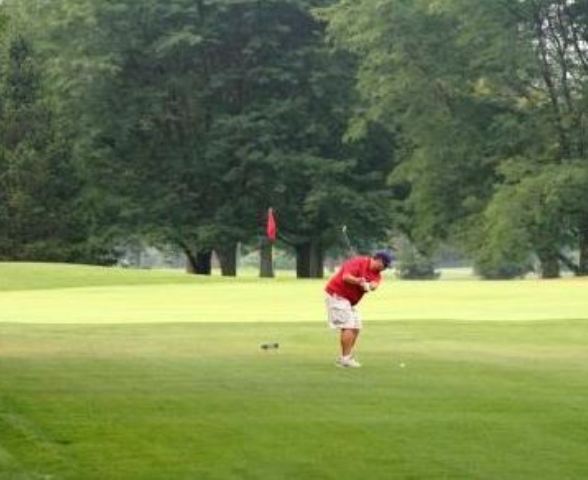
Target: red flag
[(271, 225)]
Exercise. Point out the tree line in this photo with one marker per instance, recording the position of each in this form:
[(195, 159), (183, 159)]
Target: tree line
[(490, 99), (180, 122)]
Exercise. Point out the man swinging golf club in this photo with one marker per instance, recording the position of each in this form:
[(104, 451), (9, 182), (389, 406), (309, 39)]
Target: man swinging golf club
[(345, 289)]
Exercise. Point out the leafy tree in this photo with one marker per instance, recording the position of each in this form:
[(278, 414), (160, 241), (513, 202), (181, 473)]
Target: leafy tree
[(39, 185), (475, 88), (193, 117), (412, 265)]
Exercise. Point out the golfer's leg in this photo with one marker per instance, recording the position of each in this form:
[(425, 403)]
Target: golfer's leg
[(355, 335), (348, 337)]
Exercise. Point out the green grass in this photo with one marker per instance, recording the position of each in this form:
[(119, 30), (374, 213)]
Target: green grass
[(34, 276), (154, 379), (43, 276)]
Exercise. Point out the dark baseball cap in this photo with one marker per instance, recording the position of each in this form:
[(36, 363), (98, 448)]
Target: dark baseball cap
[(386, 257)]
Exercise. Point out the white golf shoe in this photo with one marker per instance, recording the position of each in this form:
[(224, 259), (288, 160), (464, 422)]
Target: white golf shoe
[(349, 362)]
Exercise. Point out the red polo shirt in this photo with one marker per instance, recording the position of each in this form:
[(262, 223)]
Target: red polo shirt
[(358, 267)]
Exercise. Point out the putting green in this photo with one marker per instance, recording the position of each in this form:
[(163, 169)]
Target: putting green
[(61, 294)]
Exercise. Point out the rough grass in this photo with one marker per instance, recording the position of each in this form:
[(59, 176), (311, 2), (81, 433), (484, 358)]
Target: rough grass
[(184, 392)]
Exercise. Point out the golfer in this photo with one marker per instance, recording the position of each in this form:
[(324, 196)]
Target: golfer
[(345, 289)]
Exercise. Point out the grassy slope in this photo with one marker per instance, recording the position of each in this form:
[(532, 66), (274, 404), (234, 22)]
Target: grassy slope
[(33, 276), (476, 400), (24, 276)]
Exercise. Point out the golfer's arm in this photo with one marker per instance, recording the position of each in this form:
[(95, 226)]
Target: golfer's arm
[(348, 278)]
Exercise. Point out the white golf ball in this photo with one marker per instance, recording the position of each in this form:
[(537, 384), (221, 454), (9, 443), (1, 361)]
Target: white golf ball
[(402, 365)]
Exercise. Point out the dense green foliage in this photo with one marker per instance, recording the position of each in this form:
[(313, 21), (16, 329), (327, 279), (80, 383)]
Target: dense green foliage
[(38, 182), (191, 118), (179, 123), (412, 264), (490, 98)]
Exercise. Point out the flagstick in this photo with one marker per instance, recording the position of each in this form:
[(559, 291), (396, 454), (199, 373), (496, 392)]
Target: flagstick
[(266, 265)]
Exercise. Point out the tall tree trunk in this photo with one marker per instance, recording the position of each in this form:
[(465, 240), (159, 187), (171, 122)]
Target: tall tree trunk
[(190, 259), (303, 260), (310, 259), (266, 262), (583, 264), (203, 262), (549, 263), (227, 255), (316, 259)]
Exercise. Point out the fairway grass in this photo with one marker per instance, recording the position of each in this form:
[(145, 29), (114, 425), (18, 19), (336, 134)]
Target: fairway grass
[(148, 380)]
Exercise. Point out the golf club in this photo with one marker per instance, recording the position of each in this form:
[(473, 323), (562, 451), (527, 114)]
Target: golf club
[(351, 251)]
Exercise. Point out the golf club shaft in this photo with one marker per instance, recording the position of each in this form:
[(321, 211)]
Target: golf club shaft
[(351, 251)]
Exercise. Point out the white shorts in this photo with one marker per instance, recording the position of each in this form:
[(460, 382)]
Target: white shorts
[(341, 314)]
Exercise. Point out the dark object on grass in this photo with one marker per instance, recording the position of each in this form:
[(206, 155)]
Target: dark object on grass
[(270, 346)]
